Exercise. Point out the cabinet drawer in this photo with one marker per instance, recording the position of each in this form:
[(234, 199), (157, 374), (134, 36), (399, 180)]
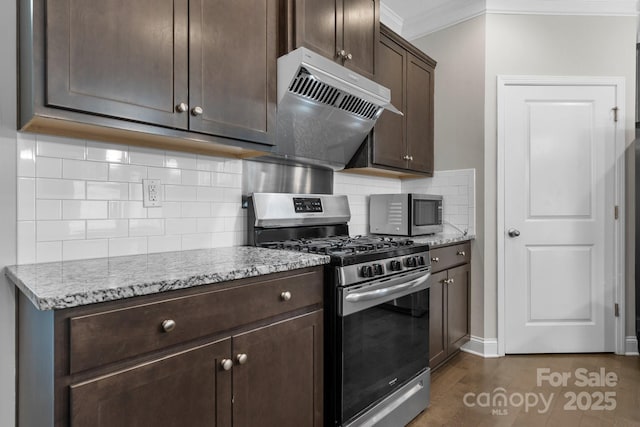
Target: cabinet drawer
[(109, 336), (449, 256)]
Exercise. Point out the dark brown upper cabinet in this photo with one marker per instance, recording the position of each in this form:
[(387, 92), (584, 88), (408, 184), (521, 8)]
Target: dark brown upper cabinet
[(190, 74), (401, 146), (346, 31)]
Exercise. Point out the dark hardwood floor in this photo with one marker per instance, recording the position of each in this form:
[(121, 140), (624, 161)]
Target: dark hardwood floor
[(600, 390)]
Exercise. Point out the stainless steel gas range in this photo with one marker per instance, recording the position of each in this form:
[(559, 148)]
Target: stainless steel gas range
[(376, 307)]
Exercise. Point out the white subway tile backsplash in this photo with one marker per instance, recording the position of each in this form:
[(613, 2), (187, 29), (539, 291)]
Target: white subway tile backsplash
[(84, 249), (48, 231), (166, 175), (146, 156), (196, 209), (174, 226), (108, 153), (205, 163), (146, 227), (59, 189), (107, 228), (48, 252), (26, 242), (26, 154), (127, 246), (107, 190), (179, 160), (167, 210), (164, 243), (26, 199), (198, 241), (48, 167), (210, 194), (48, 209), (127, 209), (135, 192), (80, 169), (180, 193), (194, 177), (127, 173), (211, 225), (84, 209), (64, 148), (233, 166)]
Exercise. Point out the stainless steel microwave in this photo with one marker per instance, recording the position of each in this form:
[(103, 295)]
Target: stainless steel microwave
[(406, 214)]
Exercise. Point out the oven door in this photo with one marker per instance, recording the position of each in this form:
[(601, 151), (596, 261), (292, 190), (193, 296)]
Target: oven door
[(384, 332)]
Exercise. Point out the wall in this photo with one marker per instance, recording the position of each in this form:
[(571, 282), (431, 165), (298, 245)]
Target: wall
[(549, 45), (459, 127), (7, 209)]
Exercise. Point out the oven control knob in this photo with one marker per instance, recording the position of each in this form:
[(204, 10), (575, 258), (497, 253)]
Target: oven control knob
[(395, 265), (420, 260), (411, 261), (377, 269), (367, 271)]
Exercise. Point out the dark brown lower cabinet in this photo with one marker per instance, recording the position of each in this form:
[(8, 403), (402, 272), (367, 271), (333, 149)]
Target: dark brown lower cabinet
[(189, 388), (237, 354), (448, 302)]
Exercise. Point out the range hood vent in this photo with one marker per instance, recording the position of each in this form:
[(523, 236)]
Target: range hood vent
[(306, 85), (325, 110)]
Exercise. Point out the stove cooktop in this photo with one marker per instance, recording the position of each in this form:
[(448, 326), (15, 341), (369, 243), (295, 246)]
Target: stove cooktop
[(345, 250)]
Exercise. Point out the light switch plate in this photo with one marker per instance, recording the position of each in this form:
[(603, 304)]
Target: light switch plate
[(151, 193)]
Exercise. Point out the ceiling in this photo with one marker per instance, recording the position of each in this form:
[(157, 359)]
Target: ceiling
[(416, 18)]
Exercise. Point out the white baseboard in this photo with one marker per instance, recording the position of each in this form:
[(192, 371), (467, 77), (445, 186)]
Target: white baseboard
[(484, 347), (631, 346)]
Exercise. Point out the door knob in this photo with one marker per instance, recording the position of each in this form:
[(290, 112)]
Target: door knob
[(512, 232)]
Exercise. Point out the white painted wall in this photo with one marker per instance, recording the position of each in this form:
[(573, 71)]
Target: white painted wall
[(496, 44), (7, 208)]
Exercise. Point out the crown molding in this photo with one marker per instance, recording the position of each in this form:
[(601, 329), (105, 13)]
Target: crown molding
[(455, 11), (391, 19)]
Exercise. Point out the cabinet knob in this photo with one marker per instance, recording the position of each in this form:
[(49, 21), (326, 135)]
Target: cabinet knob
[(182, 107), (196, 111), (168, 325), (461, 253), (447, 281), (410, 158), (242, 358), (226, 364), (405, 157), (435, 259), (285, 296), (349, 57), (341, 54)]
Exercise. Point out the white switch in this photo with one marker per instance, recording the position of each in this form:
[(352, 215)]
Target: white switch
[(151, 192)]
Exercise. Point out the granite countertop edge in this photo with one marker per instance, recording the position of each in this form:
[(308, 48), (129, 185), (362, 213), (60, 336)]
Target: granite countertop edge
[(443, 239), (60, 285)]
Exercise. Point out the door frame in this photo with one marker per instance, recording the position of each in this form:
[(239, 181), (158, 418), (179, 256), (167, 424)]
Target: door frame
[(504, 81)]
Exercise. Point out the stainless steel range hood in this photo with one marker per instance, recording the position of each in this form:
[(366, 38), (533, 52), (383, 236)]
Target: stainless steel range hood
[(325, 111)]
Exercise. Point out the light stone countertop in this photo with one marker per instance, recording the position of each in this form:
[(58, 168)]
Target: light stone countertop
[(443, 239), (58, 285)]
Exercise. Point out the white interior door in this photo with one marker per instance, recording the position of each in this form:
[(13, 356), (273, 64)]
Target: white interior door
[(559, 186)]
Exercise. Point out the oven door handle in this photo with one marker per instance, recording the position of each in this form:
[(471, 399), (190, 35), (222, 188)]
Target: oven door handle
[(383, 292)]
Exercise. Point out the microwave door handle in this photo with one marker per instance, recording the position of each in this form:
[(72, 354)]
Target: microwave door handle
[(381, 293)]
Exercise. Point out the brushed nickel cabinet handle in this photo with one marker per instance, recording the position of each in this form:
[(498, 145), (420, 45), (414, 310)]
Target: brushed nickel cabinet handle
[(242, 358), (182, 107), (349, 57), (168, 325), (196, 111), (226, 364), (461, 253), (435, 259)]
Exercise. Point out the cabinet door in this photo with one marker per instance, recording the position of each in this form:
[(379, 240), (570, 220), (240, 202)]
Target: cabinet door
[(232, 68), (457, 307), (314, 26), (280, 384), (419, 114), (360, 33), (121, 59), (389, 132), (437, 319), (184, 389)]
